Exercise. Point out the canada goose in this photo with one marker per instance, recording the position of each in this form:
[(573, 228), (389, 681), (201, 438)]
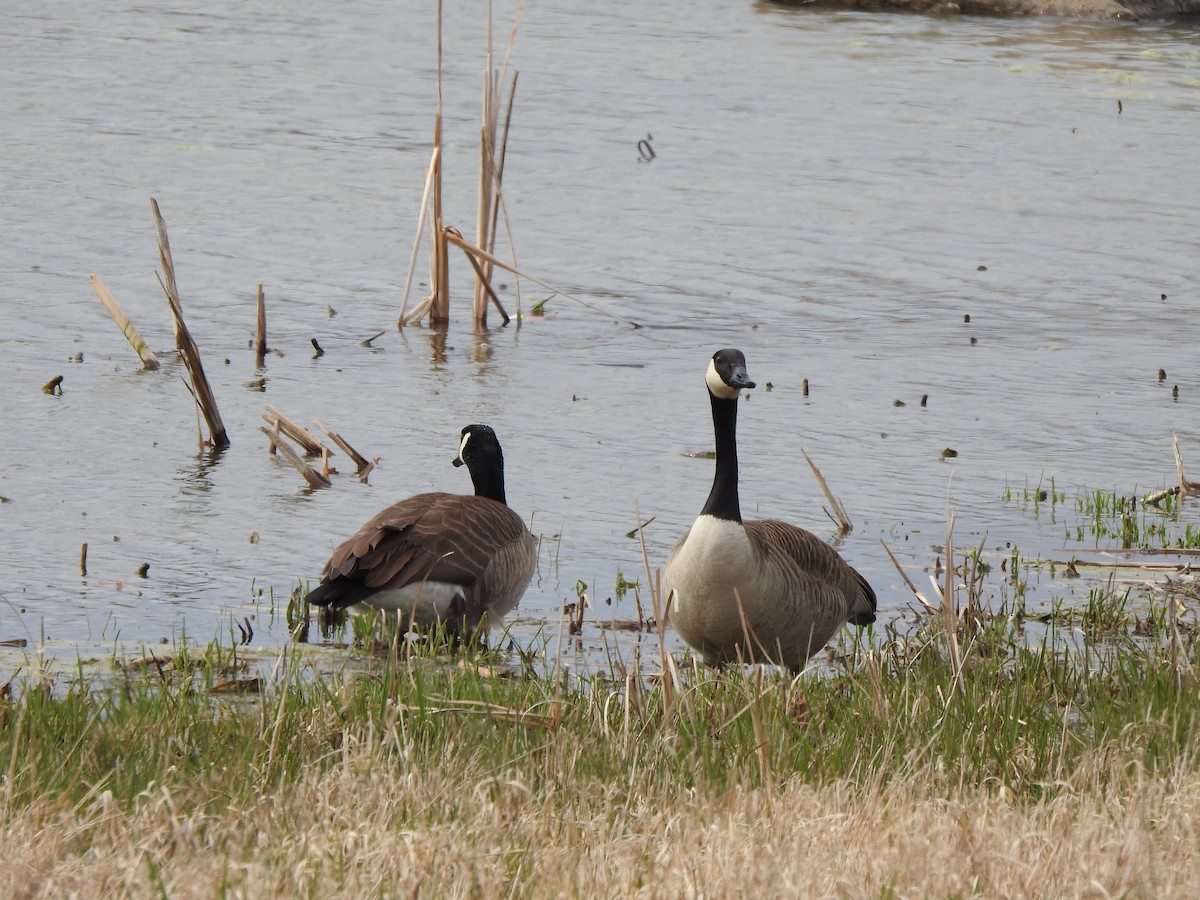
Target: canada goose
[(795, 590), (452, 559)]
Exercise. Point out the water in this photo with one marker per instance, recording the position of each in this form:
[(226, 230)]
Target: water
[(827, 187)]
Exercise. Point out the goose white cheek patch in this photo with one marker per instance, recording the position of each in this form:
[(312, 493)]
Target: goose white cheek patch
[(717, 385), (462, 447)]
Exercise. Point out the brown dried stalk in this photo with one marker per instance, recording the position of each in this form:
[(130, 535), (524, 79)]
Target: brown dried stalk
[(311, 475), (298, 433), (364, 465), (845, 526), (136, 341), (201, 389)]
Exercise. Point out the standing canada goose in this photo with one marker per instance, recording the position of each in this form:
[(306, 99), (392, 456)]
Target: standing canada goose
[(794, 589), (452, 559)]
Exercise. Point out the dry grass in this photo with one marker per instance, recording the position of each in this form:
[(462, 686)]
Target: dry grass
[(366, 830)]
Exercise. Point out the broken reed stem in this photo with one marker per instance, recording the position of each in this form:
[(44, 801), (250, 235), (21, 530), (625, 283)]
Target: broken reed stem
[(164, 256), (202, 390), (489, 186), (929, 607), (417, 311), (845, 526), (499, 169), (136, 341), (1181, 490), (401, 321), (364, 465), (439, 276), (298, 433), (439, 280), (311, 475), (83, 560), (499, 263), (260, 340), (484, 203), (482, 281)]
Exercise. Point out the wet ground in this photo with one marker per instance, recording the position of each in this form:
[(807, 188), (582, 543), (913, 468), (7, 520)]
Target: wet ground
[(834, 193)]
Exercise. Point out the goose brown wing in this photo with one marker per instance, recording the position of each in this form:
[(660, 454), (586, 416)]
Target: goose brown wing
[(817, 560), (430, 537)]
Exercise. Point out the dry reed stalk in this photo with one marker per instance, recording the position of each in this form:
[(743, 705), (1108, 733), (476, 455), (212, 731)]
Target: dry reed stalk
[(498, 175), (403, 320), (762, 743), (439, 281), (662, 611), (260, 340), (577, 614), (417, 311), (487, 134), (298, 433), (201, 389), (641, 615), (490, 168), (974, 587), (311, 475), (53, 386), (279, 716), (482, 281), (845, 526), (499, 263), (752, 640), (949, 607), (929, 607), (136, 341), (83, 560), (364, 465), (1181, 490)]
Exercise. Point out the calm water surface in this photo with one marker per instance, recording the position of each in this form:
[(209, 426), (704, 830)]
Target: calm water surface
[(833, 193)]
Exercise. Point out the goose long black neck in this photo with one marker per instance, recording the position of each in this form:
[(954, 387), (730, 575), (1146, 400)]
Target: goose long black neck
[(488, 477), (722, 500)]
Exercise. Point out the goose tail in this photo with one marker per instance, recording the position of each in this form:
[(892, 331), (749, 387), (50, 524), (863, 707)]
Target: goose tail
[(862, 611)]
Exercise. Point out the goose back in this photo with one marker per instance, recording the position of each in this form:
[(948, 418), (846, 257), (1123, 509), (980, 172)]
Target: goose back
[(439, 558)]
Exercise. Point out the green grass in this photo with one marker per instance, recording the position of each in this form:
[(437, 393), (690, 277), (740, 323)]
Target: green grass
[(1108, 518), (1020, 713)]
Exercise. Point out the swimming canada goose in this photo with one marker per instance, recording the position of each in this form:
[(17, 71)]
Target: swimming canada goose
[(452, 559), (794, 589)]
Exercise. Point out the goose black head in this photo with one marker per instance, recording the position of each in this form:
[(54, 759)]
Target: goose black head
[(727, 376), (478, 444)]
